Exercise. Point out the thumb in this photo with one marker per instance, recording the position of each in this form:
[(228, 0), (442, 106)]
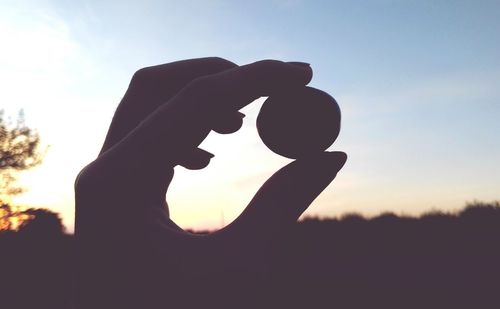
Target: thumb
[(288, 193)]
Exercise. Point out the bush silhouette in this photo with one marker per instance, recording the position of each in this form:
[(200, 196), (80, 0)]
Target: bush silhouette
[(41, 222), (438, 260)]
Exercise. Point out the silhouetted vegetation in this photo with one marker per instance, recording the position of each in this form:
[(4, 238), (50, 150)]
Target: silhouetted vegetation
[(439, 260), (35, 258), (19, 151), (30, 221)]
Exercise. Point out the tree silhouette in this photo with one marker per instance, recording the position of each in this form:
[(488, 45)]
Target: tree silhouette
[(40, 221), (11, 217), (19, 150), (6, 213), (30, 221), (437, 260)]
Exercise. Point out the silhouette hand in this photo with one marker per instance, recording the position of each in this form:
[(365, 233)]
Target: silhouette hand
[(129, 252)]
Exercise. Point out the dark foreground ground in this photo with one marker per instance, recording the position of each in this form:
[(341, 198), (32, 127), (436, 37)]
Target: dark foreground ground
[(436, 261)]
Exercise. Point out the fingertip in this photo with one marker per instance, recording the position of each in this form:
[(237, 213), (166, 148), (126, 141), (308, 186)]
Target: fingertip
[(300, 64), (306, 70), (274, 75), (229, 123), (337, 158), (323, 160), (299, 73), (195, 164), (196, 160)]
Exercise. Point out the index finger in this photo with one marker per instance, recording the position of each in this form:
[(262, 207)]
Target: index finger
[(181, 124), (235, 88), (187, 119), (152, 86)]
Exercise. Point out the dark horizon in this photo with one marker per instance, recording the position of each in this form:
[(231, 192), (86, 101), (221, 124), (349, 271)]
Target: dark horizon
[(436, 261), (417, 83)]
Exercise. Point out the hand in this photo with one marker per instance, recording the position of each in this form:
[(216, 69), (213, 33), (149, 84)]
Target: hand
[(129, 252)]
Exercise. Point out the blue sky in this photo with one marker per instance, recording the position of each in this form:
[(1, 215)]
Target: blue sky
[(417, 82)]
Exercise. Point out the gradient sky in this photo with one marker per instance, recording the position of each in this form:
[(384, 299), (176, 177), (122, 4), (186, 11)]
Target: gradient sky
[(417, 82)]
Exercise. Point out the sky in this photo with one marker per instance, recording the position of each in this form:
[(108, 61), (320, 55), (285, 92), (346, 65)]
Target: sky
[(417, 83)]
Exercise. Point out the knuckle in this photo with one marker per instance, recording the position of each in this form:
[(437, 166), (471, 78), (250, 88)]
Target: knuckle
[(141, 76), (81, 180), (218, 60), (269, 64), (86, 180), (221, 63)]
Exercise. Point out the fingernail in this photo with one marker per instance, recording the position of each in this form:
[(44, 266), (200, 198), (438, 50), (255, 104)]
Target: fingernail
[(241, 115), (204, 152), (210, 155), (300, 64)]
